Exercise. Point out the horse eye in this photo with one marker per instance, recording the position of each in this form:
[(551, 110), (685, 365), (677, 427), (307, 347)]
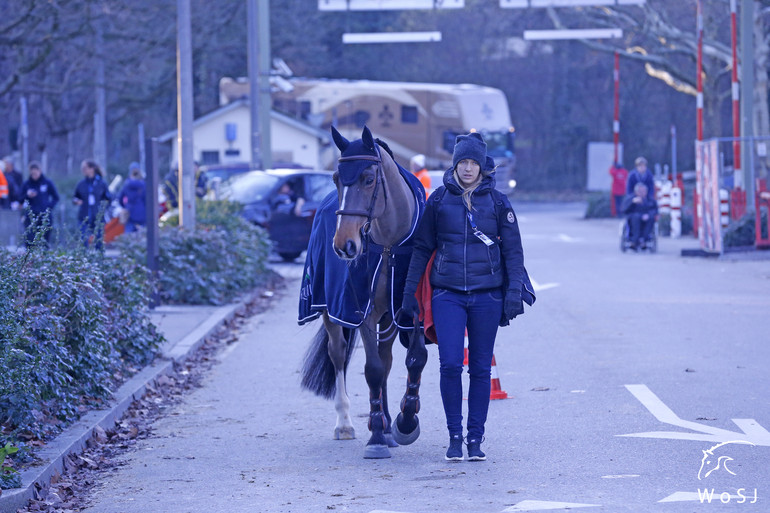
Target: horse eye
[(369, 180)]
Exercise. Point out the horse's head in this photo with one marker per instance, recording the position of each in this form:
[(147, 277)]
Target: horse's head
[(360, 192)]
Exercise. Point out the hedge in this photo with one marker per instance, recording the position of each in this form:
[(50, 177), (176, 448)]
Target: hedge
[(72, 324), (222, 258)]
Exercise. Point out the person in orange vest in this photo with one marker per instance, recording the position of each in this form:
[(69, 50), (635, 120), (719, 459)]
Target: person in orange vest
[(3, 187), (619, 176), (417, 167)]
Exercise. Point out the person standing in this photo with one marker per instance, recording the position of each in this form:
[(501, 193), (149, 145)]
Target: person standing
[(133, 197), (5, 201), (478, 280), (417, 167), (15, 181), (40, 198), (619, 176), (92, 196), (643, 175)]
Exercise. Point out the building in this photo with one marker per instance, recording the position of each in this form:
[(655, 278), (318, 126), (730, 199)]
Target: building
[(222, 136)]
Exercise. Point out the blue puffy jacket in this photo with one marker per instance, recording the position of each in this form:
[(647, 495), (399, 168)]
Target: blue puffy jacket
[(134, 198), (463, 262)]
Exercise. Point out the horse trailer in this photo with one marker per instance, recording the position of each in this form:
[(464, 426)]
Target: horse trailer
[(412, 118)]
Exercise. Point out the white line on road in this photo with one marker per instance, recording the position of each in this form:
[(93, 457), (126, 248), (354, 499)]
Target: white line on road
[(620, 476), (751, 431), (709, 496), (538, 287), (546, 505), (566, 238)]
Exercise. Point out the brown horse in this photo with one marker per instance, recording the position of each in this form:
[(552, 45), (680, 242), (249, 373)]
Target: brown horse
[(376, 208)]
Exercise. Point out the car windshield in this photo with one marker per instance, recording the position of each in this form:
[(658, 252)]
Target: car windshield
[(250, 187), (498, 144)]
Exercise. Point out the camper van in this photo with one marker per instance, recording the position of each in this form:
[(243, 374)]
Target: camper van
[(410, 117)]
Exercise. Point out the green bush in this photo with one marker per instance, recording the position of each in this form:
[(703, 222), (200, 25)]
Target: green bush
[(71, 323), (224, 256), (742, 232), (598, 205)]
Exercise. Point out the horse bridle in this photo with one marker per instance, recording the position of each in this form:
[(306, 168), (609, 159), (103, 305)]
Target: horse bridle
[(367, 226)]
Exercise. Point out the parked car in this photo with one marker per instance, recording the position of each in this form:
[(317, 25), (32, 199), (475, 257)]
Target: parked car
[(266, 203)]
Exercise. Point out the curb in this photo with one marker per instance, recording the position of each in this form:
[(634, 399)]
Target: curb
[(74, 438)]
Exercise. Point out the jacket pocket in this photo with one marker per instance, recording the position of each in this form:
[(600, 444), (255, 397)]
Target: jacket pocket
[(440, 256), (493, 253)]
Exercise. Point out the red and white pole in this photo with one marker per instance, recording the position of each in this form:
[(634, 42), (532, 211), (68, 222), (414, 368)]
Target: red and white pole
[(698, 116), (736, 95), (616, 118), (699, 76)]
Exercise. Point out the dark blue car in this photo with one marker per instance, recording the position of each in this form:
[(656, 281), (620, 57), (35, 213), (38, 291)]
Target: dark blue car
[(284, 201)]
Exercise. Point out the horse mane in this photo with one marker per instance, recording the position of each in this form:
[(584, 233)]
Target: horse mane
[(385, 147)]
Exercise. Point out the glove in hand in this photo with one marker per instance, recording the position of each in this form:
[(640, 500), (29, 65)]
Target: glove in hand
[(409, 305), (513, 304)]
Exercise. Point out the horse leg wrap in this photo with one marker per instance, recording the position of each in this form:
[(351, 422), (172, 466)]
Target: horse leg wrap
[(377, 415)]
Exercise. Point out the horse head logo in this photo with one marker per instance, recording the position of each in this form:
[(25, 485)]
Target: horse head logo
[(713, 461)]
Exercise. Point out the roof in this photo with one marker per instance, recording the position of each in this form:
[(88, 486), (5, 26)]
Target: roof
[(295, 123)]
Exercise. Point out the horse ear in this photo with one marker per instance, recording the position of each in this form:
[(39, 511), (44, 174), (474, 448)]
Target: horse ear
[(366, 137), (340, 141)]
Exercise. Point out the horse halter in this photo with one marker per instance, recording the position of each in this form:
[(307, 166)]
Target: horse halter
[(367, 226)]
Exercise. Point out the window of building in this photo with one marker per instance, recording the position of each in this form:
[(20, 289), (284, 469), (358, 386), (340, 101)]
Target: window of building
[(209, 157), (409, 114)]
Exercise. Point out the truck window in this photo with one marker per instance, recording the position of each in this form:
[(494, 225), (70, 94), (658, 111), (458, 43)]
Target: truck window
[(449, 140), (409, 114)]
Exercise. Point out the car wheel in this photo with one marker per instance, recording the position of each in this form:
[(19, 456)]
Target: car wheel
[(290, 257)]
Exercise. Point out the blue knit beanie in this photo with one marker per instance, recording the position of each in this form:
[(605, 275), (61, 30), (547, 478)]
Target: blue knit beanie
[(470, 146)]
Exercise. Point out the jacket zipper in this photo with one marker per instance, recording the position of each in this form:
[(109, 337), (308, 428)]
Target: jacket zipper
[(465, 257)]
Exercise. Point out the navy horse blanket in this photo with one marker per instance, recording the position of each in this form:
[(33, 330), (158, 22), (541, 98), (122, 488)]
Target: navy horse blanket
[(345, 289)]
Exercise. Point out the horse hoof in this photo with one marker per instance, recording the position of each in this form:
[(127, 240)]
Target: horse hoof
[(344, 433), (406, 438), (390, 440), (376, 451)]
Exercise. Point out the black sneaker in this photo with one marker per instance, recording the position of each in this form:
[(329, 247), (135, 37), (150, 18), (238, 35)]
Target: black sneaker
[(474, 450), (455, 451)]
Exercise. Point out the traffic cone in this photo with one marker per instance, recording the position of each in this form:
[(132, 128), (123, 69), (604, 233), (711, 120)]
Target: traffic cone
[(495, 391), (465, 349)]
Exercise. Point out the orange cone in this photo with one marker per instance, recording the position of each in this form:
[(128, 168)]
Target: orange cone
[(465, 349), (495, 391)]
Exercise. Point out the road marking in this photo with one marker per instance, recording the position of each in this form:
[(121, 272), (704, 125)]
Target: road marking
[(620, 476), (696, 497), (566, 238), (751, 431), (544, 286), (546, 505)]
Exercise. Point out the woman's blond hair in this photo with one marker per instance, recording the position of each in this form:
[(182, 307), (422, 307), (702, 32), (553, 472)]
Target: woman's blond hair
[(470, 189)]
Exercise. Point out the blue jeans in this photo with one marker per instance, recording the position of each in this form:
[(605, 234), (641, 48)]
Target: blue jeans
[(480, 313)]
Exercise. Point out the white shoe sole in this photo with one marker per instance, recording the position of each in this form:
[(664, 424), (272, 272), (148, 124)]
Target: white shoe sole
[(456, 458), (477, 458)]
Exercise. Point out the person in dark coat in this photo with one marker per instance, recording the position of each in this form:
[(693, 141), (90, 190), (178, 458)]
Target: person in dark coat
[(40, 198), (133, 197), (92, 197), (643, 175), (640, 211), (477, 277), (171, 185)]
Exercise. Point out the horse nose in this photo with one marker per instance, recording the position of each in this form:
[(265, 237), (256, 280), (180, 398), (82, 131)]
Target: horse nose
[(350, 248)]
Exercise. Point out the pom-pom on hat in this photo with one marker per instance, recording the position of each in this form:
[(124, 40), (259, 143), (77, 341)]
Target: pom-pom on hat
[(470, 146)]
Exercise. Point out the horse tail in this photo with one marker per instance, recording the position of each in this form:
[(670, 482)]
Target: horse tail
[(318, 373)]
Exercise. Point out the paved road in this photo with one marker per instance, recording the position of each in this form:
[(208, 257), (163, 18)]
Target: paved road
[(617, 344)]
